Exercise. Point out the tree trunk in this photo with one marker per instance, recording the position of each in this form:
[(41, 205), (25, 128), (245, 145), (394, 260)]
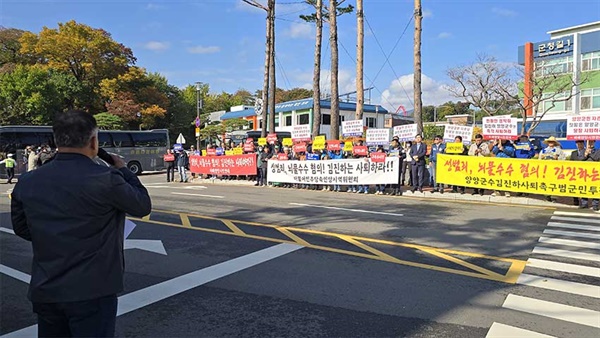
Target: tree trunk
[(265, 91), (272, 86), (360, 40), (316, 128), (418, 111), (333, 41)]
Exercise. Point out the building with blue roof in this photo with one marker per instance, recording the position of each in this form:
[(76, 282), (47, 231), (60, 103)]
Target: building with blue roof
[(300, 112)]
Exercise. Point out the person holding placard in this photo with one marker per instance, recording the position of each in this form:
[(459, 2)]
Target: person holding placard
[(396, 150), (481, 149)]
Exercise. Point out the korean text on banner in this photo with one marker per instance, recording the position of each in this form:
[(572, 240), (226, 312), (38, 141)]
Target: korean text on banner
[(377, 137), (406, 132), (453, 130), (500, 128), (287, 142), (224, 165), (455, 148), (556, 178), (584, 128), (342, 172), (238, 151), (352, 128), (301, 133), (262, 141)]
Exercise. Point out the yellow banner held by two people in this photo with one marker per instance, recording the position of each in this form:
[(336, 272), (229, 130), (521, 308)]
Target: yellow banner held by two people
[(556, 178)]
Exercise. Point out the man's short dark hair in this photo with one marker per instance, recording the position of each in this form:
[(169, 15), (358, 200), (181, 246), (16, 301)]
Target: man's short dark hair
[(438, 136), (478, 136), (73, 129), (458, 137)]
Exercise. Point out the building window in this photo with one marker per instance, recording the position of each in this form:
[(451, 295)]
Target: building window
[(303, 119), (554, 67), (590, 99), (288, 120), (341, 119), (277, 121), (371, 122), (590, 61), (557, 103), (326, 119)]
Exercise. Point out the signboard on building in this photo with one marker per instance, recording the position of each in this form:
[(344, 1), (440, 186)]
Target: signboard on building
[(406, 132), (453, 130), (301, 133), (583, 127), (352, 128), (377, 137), (553, 48), (500, 128)]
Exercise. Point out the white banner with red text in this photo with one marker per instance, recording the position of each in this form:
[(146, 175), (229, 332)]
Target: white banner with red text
[(361, 171)]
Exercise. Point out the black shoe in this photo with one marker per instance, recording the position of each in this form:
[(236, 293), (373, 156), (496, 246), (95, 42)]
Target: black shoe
[(442, 191), (413, 190), (481, 192), (596, 209), (399, 193), (434, 190), (420, 190)]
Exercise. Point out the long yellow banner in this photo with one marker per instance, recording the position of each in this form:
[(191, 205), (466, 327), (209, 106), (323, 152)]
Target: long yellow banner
[(544, 177)]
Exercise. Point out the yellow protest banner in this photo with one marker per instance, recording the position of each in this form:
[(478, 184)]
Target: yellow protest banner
[(262, 141), (348, 146), (204, 152), (454, 148), (319, 139), (543, 177), (228, 152), (318, 145), (287, 142), (238, 151)]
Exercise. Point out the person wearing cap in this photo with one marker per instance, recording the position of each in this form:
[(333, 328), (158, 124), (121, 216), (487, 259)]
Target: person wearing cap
[(10, 165), (438, 147), (523, 148), (553, 151)]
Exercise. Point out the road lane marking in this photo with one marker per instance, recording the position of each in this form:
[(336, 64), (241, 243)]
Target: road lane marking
[(498, 330), (559, 285), (563, 267), (294, 236), (16, 274), (570, 242), (576, 219), (553, 310), (7, 230), (198, 195), (185, 220), (233, 227), (172, 287), (566, 253), (574, 226), (572, 234), (345, 209), (150, 245), (579, 214)]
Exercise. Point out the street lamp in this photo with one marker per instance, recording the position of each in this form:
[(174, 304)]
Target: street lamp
[(198, 107)]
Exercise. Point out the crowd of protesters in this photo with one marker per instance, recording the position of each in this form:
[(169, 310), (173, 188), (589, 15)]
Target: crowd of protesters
[(34, 156), (414, 173)]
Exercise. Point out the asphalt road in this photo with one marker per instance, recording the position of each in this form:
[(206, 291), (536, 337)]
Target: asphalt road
[(270, 262)]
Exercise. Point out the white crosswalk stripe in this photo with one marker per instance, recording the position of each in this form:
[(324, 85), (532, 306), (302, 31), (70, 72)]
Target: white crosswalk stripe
[(570, 246)]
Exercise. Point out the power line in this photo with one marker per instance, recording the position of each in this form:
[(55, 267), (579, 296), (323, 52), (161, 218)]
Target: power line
[(285, 78), (387, 59)]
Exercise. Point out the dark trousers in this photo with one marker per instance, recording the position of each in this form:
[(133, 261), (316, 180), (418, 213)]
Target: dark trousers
[(10, 172), (418, 176), (405, 171), (89, 318), (171, 172), (261, 179)]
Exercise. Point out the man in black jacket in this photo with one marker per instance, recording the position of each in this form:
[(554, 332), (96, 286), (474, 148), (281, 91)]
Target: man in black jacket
[(73, 211), (418, 151)]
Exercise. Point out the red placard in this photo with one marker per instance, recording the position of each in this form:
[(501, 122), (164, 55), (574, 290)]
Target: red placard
[(334, 145), (282, 157), (169, 157), (271, 138), (300, 147), (377, 157), (249, 145), (224, 165), (360, 150), (211, 152)]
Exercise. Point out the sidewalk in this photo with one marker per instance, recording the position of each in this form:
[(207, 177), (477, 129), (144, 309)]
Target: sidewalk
[(535, 200)]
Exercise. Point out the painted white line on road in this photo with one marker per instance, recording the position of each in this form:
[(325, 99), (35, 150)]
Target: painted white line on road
[(574, 226), (572, 234), (570, 242), (155, 293), (559, 285), (7, 230), (566, 253), (553, 310), (578, 214), (189, 187), (576, 219), (16, 274), (198, 195), (151, 245), (152, 294), (563, 267), (344, 209), (498, 330)]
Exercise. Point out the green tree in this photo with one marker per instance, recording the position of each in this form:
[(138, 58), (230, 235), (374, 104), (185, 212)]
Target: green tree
[(108, 121)]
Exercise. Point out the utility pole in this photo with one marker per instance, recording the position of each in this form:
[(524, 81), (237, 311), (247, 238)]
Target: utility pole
[(333, 43), (360, 40), (316, 127), (272, 85), (418, 111)]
